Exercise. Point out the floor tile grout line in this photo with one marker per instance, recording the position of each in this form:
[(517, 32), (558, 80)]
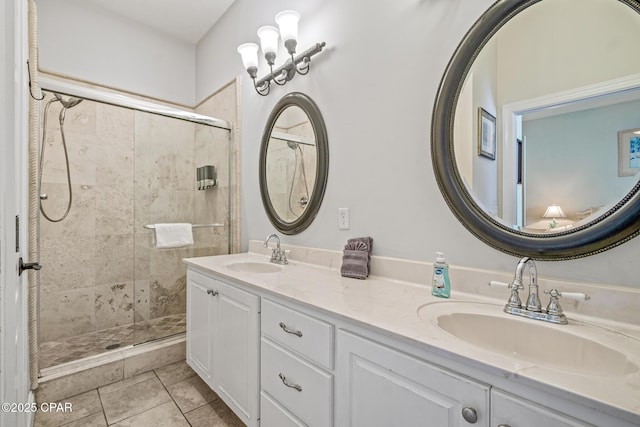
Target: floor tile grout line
[(184, 414), (104, 414), (101, 395), (172, 399), (130, 385)]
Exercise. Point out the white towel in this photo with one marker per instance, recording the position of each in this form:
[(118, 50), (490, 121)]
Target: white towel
[(176, 235)]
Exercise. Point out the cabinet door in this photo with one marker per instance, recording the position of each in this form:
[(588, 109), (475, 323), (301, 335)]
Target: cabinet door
[(236, 351), (380, 386), (511, 411), (200, 325)]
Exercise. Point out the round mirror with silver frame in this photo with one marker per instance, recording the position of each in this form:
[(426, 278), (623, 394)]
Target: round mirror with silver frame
[(294, 163), (615, 223)]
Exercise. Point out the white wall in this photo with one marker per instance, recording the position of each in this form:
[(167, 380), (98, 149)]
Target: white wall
[(375, 86), (553, 44), (79, 40)]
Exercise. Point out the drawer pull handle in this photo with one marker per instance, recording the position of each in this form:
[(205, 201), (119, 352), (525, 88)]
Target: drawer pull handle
[(289, 331), (504, 425), (288, 384), (212, 292)]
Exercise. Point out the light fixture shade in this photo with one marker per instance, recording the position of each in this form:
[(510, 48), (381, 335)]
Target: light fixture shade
[(287, 20), (554, 211), (268, 39), (249, 53)]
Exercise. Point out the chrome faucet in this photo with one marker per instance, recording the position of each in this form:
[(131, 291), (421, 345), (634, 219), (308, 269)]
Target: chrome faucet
[(278, 256), (533, 308), (533, 301)]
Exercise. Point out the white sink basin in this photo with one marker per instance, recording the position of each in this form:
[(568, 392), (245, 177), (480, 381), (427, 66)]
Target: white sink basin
[(577, 348), (254, 267)]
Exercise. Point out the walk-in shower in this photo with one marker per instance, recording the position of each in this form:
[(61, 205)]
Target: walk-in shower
[(103, 285)]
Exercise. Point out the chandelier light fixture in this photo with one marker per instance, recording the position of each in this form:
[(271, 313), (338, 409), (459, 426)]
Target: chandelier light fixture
[(287, 21)]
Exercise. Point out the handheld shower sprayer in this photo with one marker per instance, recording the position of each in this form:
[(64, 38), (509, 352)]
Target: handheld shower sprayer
[(66, 104)]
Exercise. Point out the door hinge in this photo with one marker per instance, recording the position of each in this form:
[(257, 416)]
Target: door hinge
[(17, 233)]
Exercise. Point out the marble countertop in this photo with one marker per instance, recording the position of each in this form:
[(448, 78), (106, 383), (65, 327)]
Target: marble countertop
[(390, 307)]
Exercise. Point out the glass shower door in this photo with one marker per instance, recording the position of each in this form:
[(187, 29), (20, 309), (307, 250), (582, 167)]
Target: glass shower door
[(167, 153)]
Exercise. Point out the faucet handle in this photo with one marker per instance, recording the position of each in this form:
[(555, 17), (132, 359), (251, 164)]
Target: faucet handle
[(516, 287), (554, 306), (577, 296), (514, 299)]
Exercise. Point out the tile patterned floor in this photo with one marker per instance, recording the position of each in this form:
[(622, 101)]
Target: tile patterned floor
[(53, 353), (169, 396)]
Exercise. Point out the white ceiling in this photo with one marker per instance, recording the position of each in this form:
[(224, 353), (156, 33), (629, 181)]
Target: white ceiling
[(186, 20)]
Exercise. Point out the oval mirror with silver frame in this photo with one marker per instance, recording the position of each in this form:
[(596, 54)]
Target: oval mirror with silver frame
[(473, 108), (294, 163)]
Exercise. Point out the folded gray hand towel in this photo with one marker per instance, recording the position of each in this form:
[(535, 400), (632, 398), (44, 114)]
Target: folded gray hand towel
[(354, 264), (356, 246), (367, 241)]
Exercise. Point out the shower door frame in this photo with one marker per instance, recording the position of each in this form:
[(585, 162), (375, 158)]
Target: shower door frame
[(52, 85)]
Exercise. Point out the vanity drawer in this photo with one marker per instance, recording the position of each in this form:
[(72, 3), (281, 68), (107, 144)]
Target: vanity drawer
[(272, 414), (312, 402), (308, 336)]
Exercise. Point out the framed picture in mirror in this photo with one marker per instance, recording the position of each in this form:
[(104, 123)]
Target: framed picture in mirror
[(628, 152), (486, 134)]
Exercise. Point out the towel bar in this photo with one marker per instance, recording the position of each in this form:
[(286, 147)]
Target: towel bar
[(152, 226)]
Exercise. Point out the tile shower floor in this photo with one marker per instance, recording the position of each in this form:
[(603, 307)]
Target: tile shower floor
[(53, 353), (169, 396)]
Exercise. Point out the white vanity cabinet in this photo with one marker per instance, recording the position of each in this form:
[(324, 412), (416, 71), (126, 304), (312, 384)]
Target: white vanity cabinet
[(279, 362), (380, 386), (223, 333)]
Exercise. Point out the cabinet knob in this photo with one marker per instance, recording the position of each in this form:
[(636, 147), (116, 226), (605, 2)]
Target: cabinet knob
[(470, 415)]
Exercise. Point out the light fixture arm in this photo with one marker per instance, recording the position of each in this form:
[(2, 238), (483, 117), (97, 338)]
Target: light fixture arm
[(288, 69)]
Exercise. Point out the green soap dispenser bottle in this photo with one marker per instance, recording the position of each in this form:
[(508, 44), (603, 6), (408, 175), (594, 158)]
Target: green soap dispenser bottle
[(440, 284)]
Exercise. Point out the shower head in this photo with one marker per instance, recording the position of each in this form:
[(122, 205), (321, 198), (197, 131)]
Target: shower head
[(71, 102)]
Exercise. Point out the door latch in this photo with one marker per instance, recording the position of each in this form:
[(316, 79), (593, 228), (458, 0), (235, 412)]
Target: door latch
[(22, 266)]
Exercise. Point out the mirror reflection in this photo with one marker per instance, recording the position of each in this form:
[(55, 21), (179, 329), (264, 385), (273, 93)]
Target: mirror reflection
[(291, 164), (561, 85)]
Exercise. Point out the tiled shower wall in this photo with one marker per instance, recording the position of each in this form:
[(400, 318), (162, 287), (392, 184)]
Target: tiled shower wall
[(128, 169)]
